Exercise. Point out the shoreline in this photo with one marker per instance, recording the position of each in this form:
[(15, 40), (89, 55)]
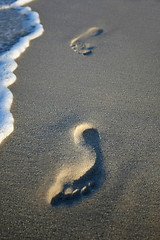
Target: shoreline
[(8, 66)]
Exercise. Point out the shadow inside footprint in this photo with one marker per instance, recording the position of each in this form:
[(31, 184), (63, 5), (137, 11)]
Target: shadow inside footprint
[(90, 181)]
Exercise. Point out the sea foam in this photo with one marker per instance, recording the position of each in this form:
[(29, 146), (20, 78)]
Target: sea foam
[(19, 25)]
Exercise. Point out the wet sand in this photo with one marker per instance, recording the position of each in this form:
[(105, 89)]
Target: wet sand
[(115, 88)]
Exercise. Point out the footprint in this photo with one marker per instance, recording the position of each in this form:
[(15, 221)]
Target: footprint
[(82, 179), (80, 45)]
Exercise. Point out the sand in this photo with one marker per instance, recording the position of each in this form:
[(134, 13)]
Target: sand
[(116, 89)]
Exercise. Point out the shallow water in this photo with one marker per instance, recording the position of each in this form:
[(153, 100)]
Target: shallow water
[(6, 2), (14, 26)]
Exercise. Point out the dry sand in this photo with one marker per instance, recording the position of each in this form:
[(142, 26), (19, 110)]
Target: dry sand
[(116, 88)]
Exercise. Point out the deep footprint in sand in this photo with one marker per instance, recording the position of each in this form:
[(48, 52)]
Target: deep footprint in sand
[(83, 178), (81, 45)]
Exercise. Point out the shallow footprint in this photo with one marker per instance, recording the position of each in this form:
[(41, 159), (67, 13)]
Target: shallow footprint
[(81, 179), (80, 45)]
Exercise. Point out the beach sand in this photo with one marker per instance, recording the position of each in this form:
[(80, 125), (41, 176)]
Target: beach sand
[(114, 89)]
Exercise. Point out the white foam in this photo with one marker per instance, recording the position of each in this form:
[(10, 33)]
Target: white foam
[(15, 4), (8, 65)]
